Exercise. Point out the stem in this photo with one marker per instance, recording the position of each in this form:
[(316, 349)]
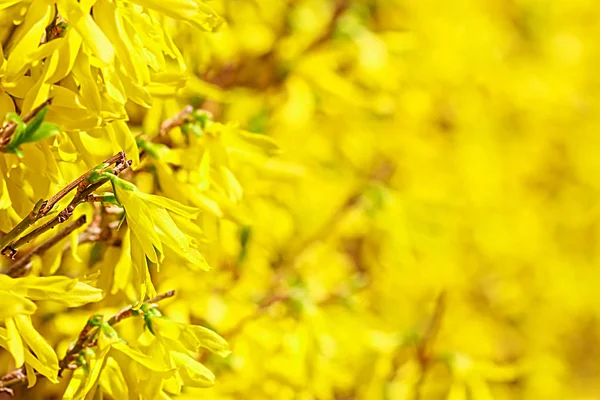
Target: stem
[(381, 172), (117, 158), (31, 218), (20, 266), (176, 120), (84, 188), (425, 346)]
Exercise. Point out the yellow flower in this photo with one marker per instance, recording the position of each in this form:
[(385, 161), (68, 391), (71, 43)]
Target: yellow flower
[(183, 337), (178, 343), (19, 336), (151, 226)]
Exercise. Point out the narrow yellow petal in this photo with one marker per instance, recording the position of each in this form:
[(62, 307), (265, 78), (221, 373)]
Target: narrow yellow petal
[(193, 373), (171, 205), (31, 376), (12, 304), (94, 39), (14, 342), (44, 352)]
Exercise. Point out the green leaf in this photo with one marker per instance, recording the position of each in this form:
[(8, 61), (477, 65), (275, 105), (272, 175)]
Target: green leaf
[(20, 124), (45, 130), (34, 131), (34, 125)]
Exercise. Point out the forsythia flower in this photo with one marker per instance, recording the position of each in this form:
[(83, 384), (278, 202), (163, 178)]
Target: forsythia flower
[(150, 226), (16, 307), (120, 369)]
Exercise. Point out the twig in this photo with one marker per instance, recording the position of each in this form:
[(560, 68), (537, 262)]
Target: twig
[(20, 266), (94, 230), (128, 311), (425, 345), (118, 158), (340, 7), (176, 120), (9, 128), (12, 378), (263, 305), (382, 172), (84, 189)]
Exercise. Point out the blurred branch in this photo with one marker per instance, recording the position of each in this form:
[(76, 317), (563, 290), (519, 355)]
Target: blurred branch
[(263, 305), (423, 349), (382, 172), (427, 342), (176, 120), (340, 7)]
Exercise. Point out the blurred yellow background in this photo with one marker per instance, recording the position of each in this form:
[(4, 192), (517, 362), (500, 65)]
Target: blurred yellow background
[(439, 237)]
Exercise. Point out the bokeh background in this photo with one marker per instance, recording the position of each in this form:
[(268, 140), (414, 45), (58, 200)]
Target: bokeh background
[(430, 230), (439, 240)]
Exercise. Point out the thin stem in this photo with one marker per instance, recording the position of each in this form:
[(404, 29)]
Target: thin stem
[(19, 268), (118, 158), (32, 235), (127, 311), (382, 172), (425, 345), (29, 220), (84, 189), (176, 120), (13, 378)]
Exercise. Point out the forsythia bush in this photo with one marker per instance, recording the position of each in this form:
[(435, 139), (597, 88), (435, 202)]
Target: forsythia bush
[(308, 199)]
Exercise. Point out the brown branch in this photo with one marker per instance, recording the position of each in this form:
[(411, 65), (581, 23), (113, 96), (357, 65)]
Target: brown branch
[(263, 305), (13, 378), (340, 7), (95, 230), (425, 345), (118, 158), (176, 120), (381, 172), (127, 311), (20, 267), (94, 198), (84, 189)]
